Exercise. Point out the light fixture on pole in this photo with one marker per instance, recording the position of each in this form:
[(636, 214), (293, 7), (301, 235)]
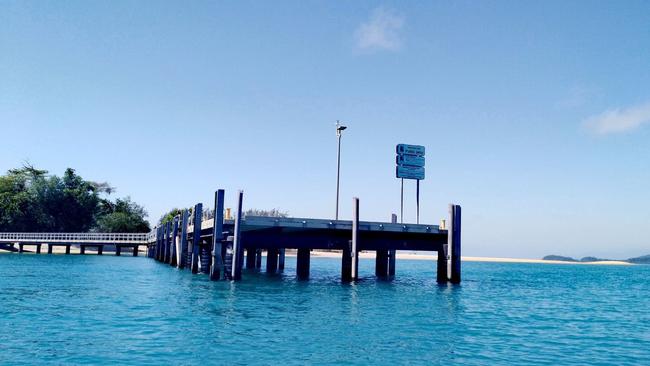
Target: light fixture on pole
[(339, 129)]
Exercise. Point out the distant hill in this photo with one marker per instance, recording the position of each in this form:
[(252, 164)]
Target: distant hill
[(594, 259), (645, 259), (553, 257)]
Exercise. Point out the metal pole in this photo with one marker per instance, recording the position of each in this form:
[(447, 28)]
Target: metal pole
[(417, 202), (401, 210), (338, 174)]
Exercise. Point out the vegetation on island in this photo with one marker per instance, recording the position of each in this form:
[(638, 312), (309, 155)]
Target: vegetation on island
[(208, 213), (638, 260), (32, 200)]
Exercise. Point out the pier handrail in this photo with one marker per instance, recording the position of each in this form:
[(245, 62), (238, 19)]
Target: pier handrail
[(141, 238)]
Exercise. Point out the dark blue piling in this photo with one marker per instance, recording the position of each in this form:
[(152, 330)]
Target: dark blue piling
[(392, 254), (455, 244), (250, 257), (183, 254), (302, 263), (196, 237), (355, 239), (173, 260), (281, 259), (271, 260), (238, 250), (167, 242), (217, 236)]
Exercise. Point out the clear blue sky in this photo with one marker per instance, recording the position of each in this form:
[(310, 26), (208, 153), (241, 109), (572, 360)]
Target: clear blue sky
[(535, 115)]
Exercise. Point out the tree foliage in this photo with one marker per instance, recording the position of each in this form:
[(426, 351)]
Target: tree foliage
[(33, 201), (124, 216), (274, 212), (169, 216)]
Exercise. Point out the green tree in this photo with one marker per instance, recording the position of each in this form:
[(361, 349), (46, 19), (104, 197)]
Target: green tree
[(32, 200), (125, 216), (169, 216), (268, 213)]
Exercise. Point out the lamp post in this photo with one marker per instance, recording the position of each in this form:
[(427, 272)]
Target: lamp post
[(339, 130)]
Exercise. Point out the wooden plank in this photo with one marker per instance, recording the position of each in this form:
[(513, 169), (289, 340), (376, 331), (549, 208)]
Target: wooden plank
[(217, 236), (237, 245)]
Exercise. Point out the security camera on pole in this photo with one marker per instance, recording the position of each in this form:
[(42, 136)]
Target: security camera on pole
[(410, 165)]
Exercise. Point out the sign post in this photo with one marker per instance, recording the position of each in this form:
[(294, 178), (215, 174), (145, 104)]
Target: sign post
[(410, 165)]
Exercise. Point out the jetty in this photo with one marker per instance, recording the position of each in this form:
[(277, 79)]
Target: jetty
[(221, 247)]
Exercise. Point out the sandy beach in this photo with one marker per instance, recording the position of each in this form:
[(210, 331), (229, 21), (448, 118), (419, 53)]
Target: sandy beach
[(337, 254)]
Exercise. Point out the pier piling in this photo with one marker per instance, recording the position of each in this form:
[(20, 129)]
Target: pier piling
[(173, 260), (392, 254), (183, 254), (196, 238), (258, 258), (281, 255), (238, 257), (250, 258), (455, 243), (302, 263), (217, 236), (271, 260), (355, 239)]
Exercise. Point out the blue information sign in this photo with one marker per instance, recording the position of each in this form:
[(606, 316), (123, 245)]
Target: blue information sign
[(410, 161), (408, 172), (404, 149)]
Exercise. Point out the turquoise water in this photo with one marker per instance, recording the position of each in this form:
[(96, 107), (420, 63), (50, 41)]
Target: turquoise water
[(124, 310)]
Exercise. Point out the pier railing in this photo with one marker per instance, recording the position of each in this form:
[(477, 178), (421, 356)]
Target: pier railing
[(106, 238)]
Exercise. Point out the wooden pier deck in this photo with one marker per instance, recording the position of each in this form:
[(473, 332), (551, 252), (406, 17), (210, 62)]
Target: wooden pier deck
[(219, 250)]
